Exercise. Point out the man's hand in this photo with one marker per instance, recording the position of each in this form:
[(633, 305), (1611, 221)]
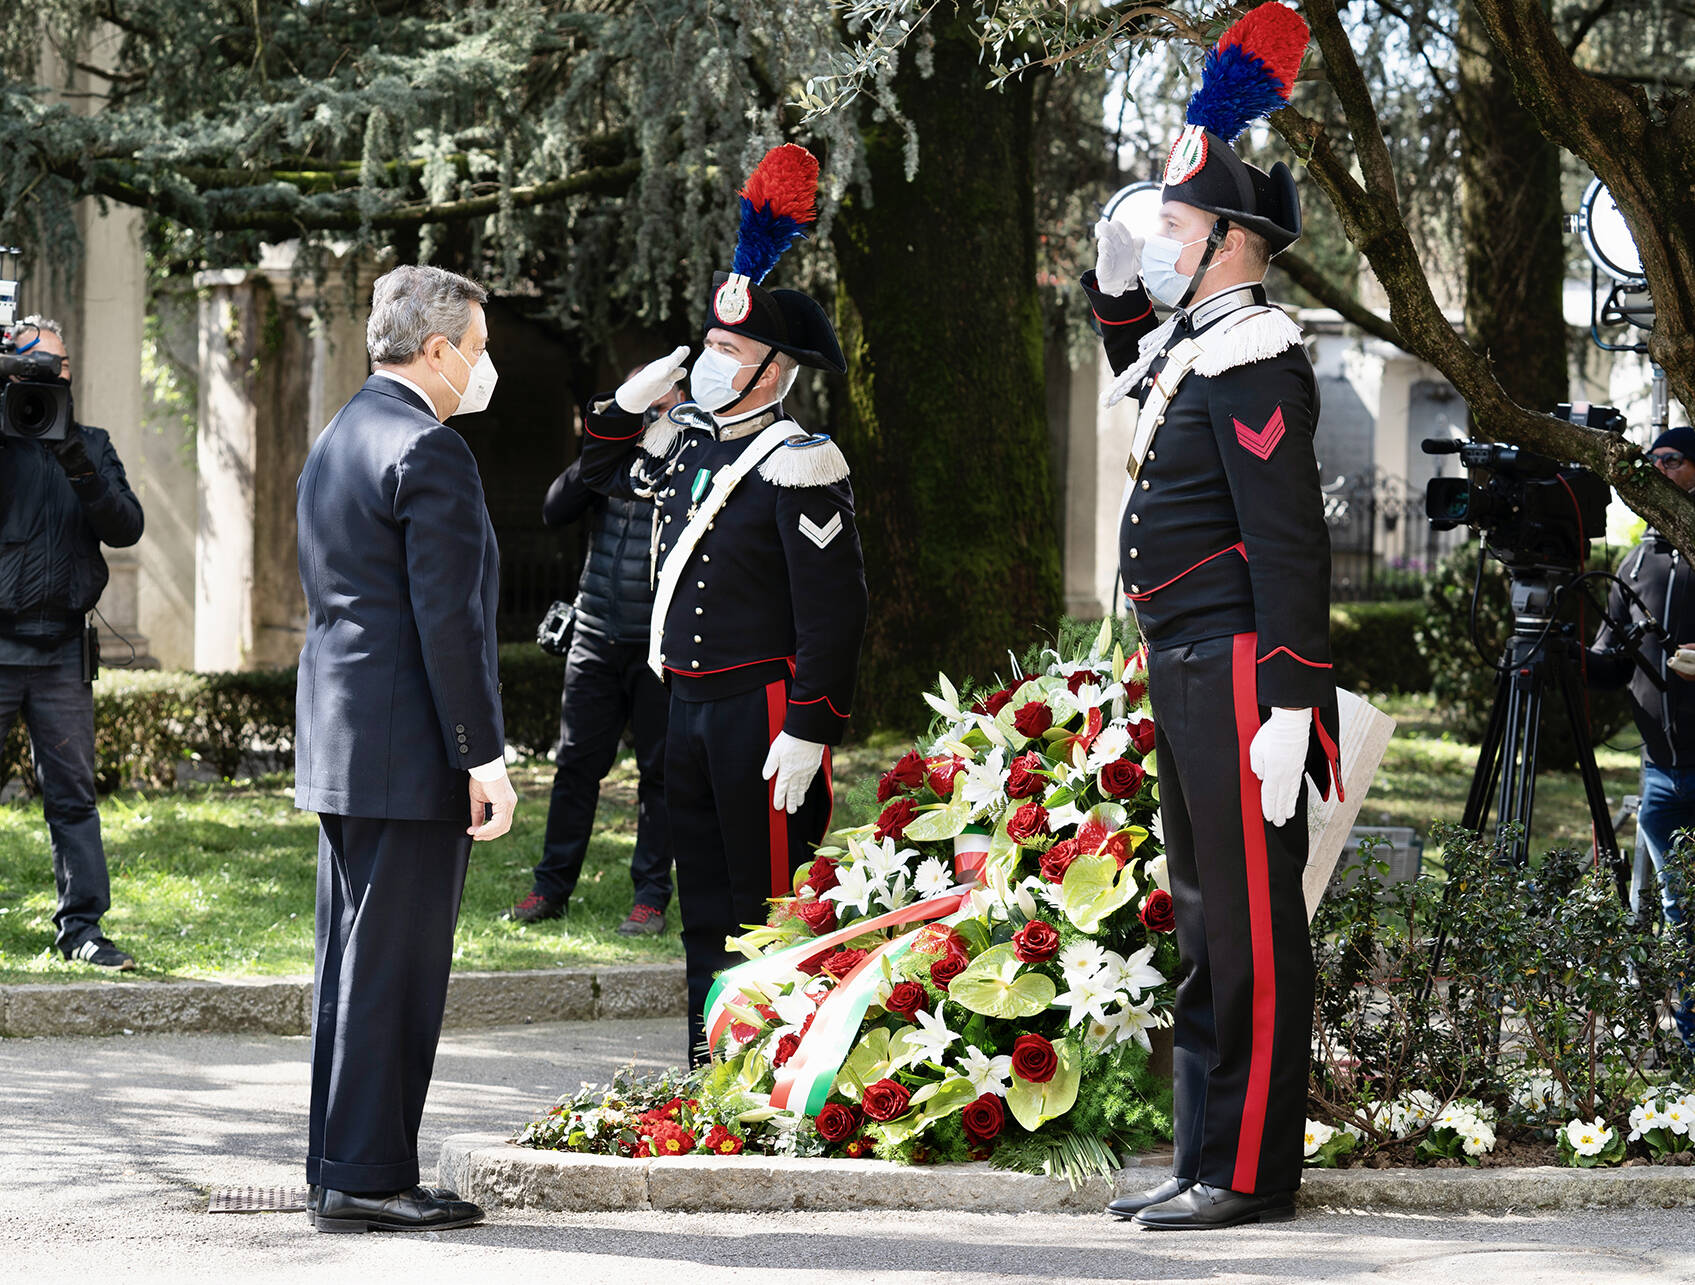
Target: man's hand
[(73, 455), (794, 763), (651, 382), (1118, 257), (1278, 755), (496, 800), (1682, 661)]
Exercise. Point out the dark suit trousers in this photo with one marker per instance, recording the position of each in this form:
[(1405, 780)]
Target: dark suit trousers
[(388, 900), (1243, 1026), (734, 852)]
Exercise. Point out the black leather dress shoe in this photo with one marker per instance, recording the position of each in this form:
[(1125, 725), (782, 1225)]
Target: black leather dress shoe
[(312, 1190), (1130, 1206), (414, 1210), (1202, 1208)]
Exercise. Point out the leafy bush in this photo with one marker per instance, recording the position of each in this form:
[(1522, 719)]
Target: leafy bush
[(149, 724), (1375, 647), (1544, 1004), (1463, 680)]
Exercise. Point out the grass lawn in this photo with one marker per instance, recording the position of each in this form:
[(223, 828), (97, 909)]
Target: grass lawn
[(217, 880)]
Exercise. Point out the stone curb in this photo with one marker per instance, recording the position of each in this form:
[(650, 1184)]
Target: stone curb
[(493, 1172), (283, 1006)]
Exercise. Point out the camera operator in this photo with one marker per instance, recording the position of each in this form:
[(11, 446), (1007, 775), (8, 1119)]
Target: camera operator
[(59, 502), (1661, 576)]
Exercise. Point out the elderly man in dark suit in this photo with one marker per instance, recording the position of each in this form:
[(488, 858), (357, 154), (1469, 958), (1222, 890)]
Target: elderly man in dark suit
[(400, 744)]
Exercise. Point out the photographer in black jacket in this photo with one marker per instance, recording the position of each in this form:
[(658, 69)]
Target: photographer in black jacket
[(607, 687), (59, 502)]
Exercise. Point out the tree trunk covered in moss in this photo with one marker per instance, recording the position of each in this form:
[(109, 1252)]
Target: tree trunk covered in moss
[(944, 418), (1511, 213)]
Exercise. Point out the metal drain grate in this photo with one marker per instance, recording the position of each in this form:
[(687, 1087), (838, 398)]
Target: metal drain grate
[(257, 1200)]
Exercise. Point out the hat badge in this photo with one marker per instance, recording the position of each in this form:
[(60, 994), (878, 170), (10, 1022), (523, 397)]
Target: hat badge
[(1188, 155), (732, 304)]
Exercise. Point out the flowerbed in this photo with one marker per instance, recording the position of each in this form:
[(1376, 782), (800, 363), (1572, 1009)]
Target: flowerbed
[(973, 975)]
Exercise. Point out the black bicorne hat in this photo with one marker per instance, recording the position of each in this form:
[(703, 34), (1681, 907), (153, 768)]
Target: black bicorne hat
[(1223, 183), (787, 320)]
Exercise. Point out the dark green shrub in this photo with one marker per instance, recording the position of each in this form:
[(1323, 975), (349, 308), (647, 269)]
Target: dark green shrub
[(530, 685), (1374, 646)]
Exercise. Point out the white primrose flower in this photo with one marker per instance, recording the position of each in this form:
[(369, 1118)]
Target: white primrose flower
[(1082, 958), (854, 888), (1645, 1117), (987, 1074), (1478, 1139), (1411, 1112), (1588, 1139), (929, 1040), (1135, 975), (1317, 1135), (933, 878), (1679, 1116)]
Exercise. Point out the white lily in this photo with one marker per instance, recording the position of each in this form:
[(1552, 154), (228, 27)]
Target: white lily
[(933, 878), (1158, 873), (987, 1074), (1136, 974), (1087, 999), (984, 782), (931, 1040), (1064, 817), (885, 859), (854, 888), (1133, 1022)]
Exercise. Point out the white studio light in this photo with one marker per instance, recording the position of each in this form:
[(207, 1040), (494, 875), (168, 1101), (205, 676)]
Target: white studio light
[(1606, 237), (1135, 207)]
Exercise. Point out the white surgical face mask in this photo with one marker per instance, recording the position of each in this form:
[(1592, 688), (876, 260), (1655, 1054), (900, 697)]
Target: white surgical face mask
[(712, 379), (479, 387), (1159, 268)]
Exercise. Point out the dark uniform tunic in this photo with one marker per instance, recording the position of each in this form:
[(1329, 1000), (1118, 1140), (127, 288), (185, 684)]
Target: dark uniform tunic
[(761, 637), (1226, 563)]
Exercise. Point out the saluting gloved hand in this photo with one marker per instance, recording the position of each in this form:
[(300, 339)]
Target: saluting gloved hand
[(1682, 661), (794, 763), (1118, 257), (1278, 756), (651, 382), (73, 455)]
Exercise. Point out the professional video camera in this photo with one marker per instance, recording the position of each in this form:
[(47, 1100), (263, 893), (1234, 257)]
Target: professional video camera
[(38, 404)]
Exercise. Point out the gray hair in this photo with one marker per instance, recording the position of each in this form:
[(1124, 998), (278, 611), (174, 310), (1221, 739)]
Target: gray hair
[(41, 323), (410, 304)]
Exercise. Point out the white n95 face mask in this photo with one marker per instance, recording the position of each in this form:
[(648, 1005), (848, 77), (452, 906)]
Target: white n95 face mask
[(1159, 268), (711, 379), (479, 386)]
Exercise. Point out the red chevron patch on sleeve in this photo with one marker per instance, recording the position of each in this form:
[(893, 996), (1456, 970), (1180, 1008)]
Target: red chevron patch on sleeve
[(1264, 441)]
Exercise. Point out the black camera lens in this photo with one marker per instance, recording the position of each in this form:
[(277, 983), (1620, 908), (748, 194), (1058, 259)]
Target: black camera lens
[(30, 411)]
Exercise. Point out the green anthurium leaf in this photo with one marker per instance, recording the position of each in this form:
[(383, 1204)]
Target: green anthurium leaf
[(868, 1063), (976, 934), (1033, 1105), (1094, 887), (994, 986), (931, 1103), (943, 822)]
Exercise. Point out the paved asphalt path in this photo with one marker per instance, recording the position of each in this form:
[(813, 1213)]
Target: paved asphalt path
[(108, 1147)]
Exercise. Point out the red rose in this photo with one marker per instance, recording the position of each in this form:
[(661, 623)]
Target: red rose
[(906, 999), (1122, 779), (1030, 820), (993, 703), (897, 816), (909, 770), (887, 787), (1036, 942), (1057, 860), (820, 916), (1158, 912), (1033, 719), (885, 1099), (948, 967), (1079, 680), (942, 773), (1021, 778), (786, 1048), (1134, 690), (842, 963), (821, 875), (1034, 1059), (984, 1118), (837, 1122), (1142, 735)]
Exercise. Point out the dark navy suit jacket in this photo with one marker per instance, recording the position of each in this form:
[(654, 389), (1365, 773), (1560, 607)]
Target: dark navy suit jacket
[(399, 691)]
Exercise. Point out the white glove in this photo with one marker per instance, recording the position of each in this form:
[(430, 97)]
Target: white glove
[(1118, 257), (651, 382), (1682, 662), (794, 762), (1278, 756)]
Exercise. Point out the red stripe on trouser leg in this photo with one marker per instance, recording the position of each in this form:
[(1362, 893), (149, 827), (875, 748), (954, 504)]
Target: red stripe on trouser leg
[(782, 883), (1244, 670)]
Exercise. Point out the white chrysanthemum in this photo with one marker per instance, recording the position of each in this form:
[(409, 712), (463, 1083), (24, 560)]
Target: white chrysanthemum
[(1082, 958), (1109, 746), (1135, 975), (1317, 1135), (987, 1074), (933, 878), (1588, 1138)]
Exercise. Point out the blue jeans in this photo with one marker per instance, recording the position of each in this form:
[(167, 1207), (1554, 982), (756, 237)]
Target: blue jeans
[(1668, 806), (58, 710)]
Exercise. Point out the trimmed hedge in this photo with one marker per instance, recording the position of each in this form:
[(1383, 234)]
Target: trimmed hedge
[(1375, 648), (148, 725)]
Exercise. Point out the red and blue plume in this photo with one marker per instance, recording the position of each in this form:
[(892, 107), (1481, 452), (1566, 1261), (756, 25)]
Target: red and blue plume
[(777, 206), (1248, 74)]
